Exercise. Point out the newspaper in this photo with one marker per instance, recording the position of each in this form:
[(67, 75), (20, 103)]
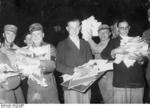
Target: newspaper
[(132, 46), (89, 27), (28, 62), (6, 72), (92, 68)]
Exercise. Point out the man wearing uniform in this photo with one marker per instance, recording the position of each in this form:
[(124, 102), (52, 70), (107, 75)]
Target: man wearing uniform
[(8, 45), (36, 92)]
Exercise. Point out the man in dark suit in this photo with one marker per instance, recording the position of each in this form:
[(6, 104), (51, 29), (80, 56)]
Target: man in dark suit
[(71, 53)]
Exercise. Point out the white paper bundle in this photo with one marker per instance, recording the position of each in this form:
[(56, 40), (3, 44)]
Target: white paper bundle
[(29, 62), (132, 46), (6, 72), (30, 68), (99, 65), (24, 51), (89, 27), (42, 53), (92, 68), (5, 67)]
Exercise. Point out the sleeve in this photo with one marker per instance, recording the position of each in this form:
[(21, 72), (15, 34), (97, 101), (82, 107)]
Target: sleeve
[(146, 34), (106, 53), (53, 53), (92, 45), (89, 52), (60, 61), (11, 83), (51, 64)]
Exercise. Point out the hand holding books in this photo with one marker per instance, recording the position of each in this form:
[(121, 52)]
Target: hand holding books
[(85, 75), (81, 71), (3, 77), (118, 51), (138, 57)]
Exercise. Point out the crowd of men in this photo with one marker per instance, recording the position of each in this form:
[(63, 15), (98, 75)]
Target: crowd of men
[(121, 85)]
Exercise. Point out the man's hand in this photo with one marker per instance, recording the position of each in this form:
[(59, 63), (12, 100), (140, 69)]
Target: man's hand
[(137, 57), (82, 71), (47, 65), (118, 51), (3, 77)]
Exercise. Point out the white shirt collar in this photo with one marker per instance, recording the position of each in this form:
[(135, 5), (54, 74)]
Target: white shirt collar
[(76, 41)]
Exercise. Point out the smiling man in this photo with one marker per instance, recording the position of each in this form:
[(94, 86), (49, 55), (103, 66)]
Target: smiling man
[(9, 34), (71, 53), (129, 82), (36, 92)]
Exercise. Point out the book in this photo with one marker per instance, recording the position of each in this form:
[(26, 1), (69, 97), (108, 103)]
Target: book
[(86, 75)]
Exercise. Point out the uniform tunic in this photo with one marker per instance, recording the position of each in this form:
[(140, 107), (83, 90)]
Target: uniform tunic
[(7, 94), (18, 91), (39, 94)]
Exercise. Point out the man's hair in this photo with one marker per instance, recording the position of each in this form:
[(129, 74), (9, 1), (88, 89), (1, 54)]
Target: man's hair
[(73, 20), (122, 20)]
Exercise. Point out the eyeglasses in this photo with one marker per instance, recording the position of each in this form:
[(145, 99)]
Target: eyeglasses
[(124, 28)]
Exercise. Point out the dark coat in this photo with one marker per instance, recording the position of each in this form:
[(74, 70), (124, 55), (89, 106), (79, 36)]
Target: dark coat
[(69, 56), (132, 77)]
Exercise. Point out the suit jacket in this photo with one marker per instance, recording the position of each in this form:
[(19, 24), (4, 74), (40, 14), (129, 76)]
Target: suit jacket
[(69, 56)]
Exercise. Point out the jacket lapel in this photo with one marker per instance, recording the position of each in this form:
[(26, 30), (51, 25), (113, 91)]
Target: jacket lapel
[(72, 45)]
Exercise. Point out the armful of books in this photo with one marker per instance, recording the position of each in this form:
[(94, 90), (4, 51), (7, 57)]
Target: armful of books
[(30, 68), (88, 72)]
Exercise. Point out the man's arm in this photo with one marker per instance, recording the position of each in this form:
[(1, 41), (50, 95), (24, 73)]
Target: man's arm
[(11, 83), (49, 65), (106, 53), (89, 52)]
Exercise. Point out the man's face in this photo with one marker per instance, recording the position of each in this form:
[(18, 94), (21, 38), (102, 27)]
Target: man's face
[(104, 34), (28, 40), (123, 28), (9, 36), (37, 37), (73, 28)]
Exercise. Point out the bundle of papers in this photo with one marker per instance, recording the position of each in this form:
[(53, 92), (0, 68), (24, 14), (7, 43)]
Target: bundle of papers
[(41, 53), (30, 67), (5, 67), (27, 61), (132, 46), (87, 73), (6, 72), (89, 28)]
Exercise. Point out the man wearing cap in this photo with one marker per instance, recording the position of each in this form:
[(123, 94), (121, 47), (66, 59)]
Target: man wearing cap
[(104, 36), (9, 35), (71, 53), (36, 92), (105, 83)]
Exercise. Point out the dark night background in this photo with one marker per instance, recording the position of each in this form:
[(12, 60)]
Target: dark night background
[(52, 13), (56, 12)]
